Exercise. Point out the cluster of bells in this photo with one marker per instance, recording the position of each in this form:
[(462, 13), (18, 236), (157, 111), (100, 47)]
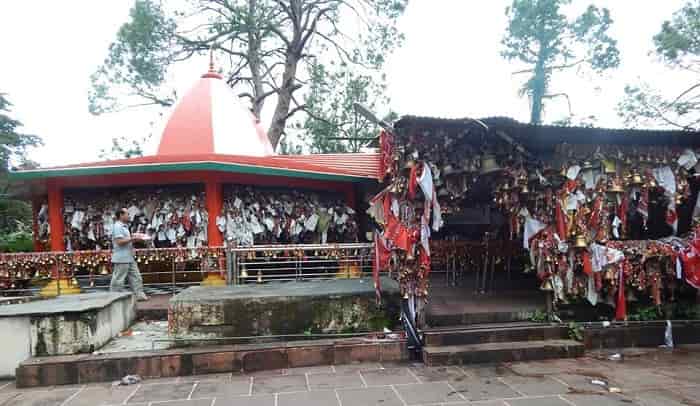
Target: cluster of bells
[(40, 265)]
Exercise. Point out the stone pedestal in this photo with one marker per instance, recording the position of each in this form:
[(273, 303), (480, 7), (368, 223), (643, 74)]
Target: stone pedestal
[(61, 326), (284, 308)]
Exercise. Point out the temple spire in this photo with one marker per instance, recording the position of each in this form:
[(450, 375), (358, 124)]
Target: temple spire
[(212, 72)]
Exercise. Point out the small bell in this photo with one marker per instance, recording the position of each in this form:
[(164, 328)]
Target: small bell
[(547, 285), (489, 164), (524, 189), (410, 164), (260, 280), (405, 295), (244, 272), (636, 179)]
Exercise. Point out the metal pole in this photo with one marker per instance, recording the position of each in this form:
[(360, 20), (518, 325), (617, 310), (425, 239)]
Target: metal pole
[(234, 267)]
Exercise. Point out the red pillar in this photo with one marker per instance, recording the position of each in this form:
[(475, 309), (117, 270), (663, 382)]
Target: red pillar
[(36, 206), (215, 201), (56, 217)]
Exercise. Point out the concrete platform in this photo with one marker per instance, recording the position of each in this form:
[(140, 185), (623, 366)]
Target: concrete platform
[(64, 325), (451, 306), (284, 308)]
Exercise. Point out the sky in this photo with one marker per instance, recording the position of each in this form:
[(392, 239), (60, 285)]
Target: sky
[(449, 66)]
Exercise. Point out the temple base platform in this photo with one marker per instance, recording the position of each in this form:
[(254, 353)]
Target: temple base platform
[(284, 308), (65, 325)]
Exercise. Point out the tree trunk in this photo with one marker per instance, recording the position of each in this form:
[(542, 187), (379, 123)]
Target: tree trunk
[(539, 84), (254, 57), (284, 99)]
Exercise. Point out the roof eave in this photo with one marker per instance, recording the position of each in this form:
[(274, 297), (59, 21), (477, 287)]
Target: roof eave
[(184, 166)]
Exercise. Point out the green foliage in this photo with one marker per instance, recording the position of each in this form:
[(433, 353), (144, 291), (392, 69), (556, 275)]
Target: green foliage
[(575, 331), (678, 45), (18, 241), (137, 60), (679, 38), (686, 311), (539, 316), (272, 47), (15, 215), (124, 147), (13, 144), (541, 36), (645, 313), (329, 106)]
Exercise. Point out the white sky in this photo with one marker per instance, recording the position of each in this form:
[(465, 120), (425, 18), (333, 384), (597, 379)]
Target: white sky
[(449, 66)]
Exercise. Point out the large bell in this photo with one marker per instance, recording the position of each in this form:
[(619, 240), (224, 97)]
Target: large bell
[(609, 166), (489, 165), (580, 241), (636, 179)]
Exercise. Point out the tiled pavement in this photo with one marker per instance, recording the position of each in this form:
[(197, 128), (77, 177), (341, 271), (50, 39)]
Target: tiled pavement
[(650, 378)]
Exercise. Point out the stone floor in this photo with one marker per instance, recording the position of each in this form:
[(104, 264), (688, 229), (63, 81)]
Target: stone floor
[(644, 377)]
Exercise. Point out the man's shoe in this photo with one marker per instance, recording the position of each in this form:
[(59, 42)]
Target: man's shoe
[(141, 297)]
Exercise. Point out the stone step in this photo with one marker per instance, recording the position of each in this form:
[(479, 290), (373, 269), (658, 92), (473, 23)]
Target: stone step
[(463, 335), (501, 316), (501, 352)]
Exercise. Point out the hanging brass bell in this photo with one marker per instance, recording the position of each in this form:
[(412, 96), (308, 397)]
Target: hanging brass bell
[(609, 166), (410, 164), (615, 187), (636, 179), (260, 280), (405, 295), (244, 272), (580, 241), (547, 285), (489, 164), (524, 189)]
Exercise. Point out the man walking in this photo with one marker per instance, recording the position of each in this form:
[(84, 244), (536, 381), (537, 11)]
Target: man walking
[(123, 263)]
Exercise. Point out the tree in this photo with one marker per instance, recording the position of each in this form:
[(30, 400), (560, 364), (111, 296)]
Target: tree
[(329, 105), (541, 36), (15, 215), (272, 46), (677, 45)]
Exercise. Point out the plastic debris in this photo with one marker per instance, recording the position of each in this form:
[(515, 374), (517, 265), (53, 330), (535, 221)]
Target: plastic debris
[(615, 357), (130, 380), (598, 382), (606, 324), (126, 333), (614, 389), (668, 335)]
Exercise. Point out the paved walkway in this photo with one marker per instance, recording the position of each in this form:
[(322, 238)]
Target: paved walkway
[(647, 378)]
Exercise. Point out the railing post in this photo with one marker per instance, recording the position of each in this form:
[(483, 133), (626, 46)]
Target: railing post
[(174, 282), (234, 267)]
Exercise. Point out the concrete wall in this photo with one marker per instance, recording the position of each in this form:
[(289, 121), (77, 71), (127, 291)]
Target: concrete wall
[(15, 333), (65, 333)]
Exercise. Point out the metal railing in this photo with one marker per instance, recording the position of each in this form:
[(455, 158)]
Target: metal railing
[(169, 270), (164, 270), (260, 264)]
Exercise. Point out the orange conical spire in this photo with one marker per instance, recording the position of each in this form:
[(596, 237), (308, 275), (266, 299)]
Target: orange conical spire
[(212, 72)]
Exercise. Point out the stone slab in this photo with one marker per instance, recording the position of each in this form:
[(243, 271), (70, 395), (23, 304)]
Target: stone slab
[(61, 326), (502, 352), (284, 308), (63, 304)]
